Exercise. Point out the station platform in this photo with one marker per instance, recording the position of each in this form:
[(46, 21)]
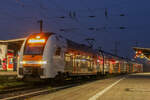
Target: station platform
[(8, 73)]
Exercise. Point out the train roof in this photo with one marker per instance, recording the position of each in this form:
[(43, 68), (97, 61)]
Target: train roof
[(81, 47), (110, 55)]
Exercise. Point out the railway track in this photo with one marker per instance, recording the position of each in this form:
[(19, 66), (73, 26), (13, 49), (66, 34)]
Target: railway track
[(34, 92), (25, 92)]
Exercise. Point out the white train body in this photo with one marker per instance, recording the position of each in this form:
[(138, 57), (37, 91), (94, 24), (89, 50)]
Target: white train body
[(47, 54), (46, 63)]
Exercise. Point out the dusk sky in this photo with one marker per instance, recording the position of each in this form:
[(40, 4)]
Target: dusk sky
[(18, 18)]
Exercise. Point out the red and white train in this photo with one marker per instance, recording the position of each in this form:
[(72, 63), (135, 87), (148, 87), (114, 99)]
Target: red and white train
[(47, 55)]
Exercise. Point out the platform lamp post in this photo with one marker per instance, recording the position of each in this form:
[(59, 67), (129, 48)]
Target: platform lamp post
[(102, 53)]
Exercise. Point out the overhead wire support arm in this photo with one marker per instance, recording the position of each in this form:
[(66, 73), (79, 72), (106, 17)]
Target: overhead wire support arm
[(41, 25), (90, 41), (101, 52)]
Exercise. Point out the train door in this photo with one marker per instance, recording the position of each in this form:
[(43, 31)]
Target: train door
[(58, 60), (10, 63)]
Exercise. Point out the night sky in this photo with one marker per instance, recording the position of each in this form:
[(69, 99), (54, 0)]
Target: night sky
[(18, 18)]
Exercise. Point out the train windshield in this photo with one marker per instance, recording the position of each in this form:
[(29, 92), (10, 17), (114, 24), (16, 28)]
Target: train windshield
[(35, 44), (33, 49)]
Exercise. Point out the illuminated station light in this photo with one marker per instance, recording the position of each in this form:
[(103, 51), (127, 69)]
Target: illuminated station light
[(142, 53), (139, 52)]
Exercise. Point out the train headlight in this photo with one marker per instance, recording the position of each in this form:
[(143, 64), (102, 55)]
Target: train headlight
[(22, 62), (33, 62), (42, 62)]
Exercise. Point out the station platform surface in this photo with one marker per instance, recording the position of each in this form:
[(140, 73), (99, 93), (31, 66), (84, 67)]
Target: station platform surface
[(130, 87), (8, 73)]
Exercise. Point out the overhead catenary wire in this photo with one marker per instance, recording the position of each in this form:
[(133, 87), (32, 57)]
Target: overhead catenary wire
[(41, 6), (73, 15), (62, 17), (59, 7), (84, 28)]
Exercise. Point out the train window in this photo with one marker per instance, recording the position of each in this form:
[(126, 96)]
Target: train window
[(67, 58), (58, 51)]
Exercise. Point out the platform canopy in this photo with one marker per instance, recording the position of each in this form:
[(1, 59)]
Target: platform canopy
[(142, 52), (13, 44)]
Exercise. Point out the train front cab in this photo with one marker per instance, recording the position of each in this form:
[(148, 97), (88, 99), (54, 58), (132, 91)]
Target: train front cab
[(33, 59)]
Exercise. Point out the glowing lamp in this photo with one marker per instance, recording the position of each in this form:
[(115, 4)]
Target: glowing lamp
[(140, 52), (136, 52), (22, 62), (135, 56), (42, 62), (38, 37)]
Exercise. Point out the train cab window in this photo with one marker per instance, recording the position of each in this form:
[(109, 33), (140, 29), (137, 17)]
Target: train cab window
[(58, 51), (33, 49)]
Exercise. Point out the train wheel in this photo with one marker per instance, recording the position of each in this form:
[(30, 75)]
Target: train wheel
[(60, 78), (50, 81)]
